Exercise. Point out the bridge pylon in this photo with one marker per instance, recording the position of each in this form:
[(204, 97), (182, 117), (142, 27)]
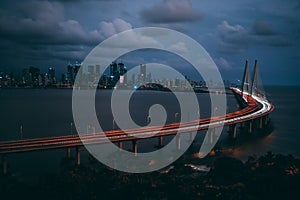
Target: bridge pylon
[(254, 86), (246, 84), (257, 88)]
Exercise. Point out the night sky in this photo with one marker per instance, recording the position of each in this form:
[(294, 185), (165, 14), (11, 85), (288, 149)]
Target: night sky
[(53, 33)]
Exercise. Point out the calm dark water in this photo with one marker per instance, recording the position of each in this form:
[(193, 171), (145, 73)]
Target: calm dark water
[(43, 113), (285, 138)]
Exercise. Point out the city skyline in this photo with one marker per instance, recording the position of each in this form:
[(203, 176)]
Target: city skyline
[(113, 76), (52, 33)]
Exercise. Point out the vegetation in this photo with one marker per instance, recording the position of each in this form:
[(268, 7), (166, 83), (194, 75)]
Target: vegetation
[(266, 177)]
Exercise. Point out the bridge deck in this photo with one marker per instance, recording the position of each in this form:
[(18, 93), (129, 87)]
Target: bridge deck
[(252, 111)]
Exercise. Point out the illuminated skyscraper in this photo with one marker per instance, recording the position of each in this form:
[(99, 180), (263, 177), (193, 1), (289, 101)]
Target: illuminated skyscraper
[(142, 74), (70, 74), (98, 69), (114, 69), (51, 75), (122, 72)]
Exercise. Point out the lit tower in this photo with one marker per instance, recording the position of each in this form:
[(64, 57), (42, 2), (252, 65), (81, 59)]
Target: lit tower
[(142, 73), (246, 84)]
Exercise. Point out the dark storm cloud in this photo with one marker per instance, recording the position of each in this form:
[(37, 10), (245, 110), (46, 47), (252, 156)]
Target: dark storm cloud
[(71, 1), (236, 38), (233, 34), (263, 28), (170, 11), (39, 30), (44, 23)]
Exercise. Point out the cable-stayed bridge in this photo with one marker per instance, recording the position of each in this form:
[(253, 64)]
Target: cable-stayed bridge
[(251, 91)]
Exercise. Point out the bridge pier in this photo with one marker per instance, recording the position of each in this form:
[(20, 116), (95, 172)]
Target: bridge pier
[(178, 142), (250, 126), (242, 125), (261, 122), (69, 152), (267, 120), (120, 144), (211, 133), (4, 164), (77, 156), (135, 147), (160, 141), (232, 130)]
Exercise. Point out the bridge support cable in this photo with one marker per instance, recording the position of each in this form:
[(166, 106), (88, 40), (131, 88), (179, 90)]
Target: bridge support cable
[(257, 88)]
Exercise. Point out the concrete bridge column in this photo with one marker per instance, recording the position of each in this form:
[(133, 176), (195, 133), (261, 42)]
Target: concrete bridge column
[(211, 133), (69, 152), (78, 156), (4, 164), (250, 126), (261, 122), (160, 141), (232, 130), (242, 125), (120, 144), (135, 147), (266, 120), (178, 141)]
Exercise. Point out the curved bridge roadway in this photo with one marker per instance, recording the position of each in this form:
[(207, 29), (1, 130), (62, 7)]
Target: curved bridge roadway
[(256, 108)]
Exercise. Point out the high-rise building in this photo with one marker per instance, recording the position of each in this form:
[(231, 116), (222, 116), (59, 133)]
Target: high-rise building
[(25, 77), (70, 78), (114, 70), (98, 70), (34, 76), (122, 72), (51, 75), (91, 69), (63, 79), (142, 73), (72, 71), (122, 69), (76, 69)]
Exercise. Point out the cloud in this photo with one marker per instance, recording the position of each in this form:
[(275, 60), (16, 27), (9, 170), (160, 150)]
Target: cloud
[(263, 28), (116, 26), (236, 38), (179, 47), (43, 22), (170, 11), (38, 31), (279, 42), (235, 34), (223, 63)]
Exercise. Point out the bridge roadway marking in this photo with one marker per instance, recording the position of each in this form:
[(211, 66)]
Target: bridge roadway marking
[(249, 113)]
